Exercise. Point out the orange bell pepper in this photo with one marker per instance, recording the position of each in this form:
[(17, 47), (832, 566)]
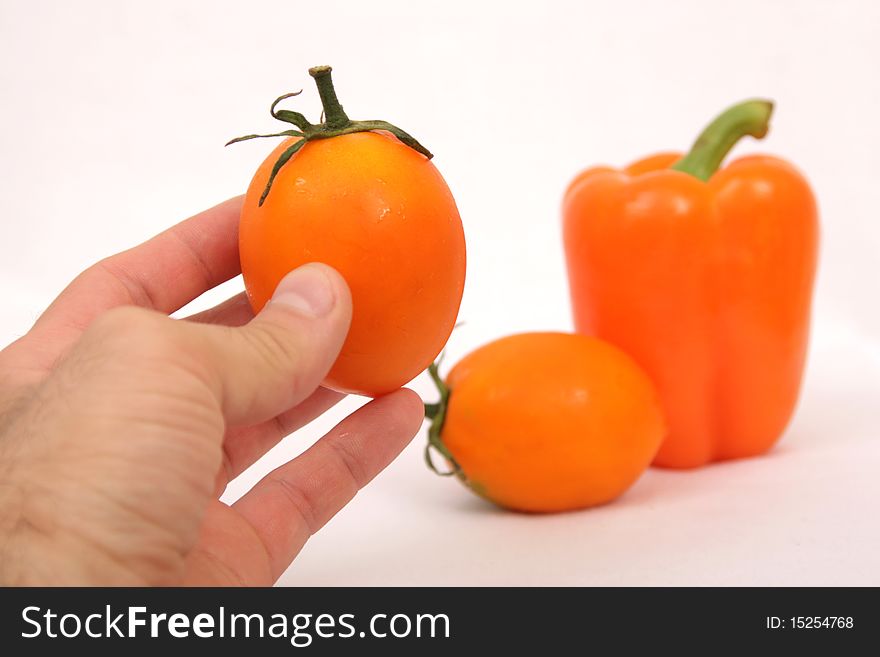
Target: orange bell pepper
[(704, 276)]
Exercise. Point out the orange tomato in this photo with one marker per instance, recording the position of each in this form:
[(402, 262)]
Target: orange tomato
[(362, 197), (546, 422), (381, 214)]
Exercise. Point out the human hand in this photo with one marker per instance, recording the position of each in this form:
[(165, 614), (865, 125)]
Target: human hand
[(120, 427)]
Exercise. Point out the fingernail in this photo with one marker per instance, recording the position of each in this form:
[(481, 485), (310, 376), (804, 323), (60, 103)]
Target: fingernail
[(307, 290)]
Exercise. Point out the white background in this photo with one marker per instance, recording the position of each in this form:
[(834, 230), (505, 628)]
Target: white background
[(112, 122)]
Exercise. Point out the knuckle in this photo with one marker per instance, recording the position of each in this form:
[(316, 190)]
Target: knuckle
[(300, 502), (118, 321), (348, 462), (112, 269), (276, 348), (130, 332)]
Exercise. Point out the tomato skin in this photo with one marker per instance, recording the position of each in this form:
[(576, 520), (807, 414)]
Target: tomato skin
[(380, 214), (544, 422)]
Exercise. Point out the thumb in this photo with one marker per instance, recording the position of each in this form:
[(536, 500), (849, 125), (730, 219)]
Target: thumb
[(281, 356)]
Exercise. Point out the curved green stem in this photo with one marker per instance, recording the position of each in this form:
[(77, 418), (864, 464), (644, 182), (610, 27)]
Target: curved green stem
[(751, 117), (437, 414), (334, 123), (282, 160), (283, 133)]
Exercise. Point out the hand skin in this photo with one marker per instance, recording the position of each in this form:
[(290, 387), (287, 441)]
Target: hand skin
[(120, 427)]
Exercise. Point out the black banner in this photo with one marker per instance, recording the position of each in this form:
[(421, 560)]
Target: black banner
[(433, 621)]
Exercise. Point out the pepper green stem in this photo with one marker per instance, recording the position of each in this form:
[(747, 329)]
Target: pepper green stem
[(751, 117), (334, 115)]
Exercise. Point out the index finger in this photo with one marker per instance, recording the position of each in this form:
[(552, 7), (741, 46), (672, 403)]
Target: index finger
[(164, 273), (296, 499)]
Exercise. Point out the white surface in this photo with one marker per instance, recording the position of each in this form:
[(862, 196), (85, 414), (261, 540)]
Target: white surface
[(114, 116)]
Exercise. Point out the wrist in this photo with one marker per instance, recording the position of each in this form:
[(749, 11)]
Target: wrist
[(11, 526), (21, 539)]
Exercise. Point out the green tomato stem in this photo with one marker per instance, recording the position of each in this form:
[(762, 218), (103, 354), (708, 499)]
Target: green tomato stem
[(437, 414), (336, 123), (334, 116)]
